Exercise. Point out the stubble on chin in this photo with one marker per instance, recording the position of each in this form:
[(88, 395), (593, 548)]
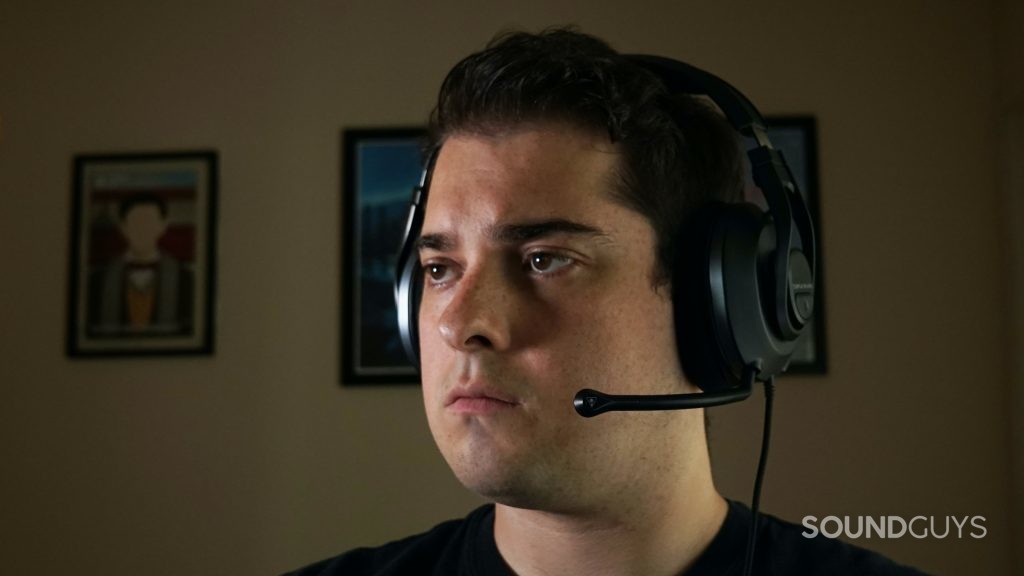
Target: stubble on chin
[(517, 476), (483, 465)]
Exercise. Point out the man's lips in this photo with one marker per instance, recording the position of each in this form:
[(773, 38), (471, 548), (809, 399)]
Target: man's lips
[(478, 400)]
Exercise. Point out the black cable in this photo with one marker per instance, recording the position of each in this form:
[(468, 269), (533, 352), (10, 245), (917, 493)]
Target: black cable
[(755, 504)]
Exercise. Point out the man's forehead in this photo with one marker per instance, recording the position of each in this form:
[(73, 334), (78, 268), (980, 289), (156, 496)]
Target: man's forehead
[(521, 176)]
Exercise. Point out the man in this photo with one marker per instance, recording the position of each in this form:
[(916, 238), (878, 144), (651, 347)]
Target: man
[(564, 173), (143, 291)]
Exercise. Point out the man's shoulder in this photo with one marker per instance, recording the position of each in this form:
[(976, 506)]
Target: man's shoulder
[(439, 550), (788, 549)]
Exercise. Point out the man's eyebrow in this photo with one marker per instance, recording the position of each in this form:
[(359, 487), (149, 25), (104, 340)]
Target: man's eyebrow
[(437, 242), (514, 233), (524, 232)]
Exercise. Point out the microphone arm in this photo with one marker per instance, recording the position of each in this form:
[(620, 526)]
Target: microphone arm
[(590, 403)]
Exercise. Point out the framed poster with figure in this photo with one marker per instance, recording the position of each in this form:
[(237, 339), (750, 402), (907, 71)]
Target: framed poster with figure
[(142, 254), (380, 168)]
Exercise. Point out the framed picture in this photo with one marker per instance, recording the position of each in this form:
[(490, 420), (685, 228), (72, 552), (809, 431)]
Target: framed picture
[(142, 254), (796, 138), (380, 168)]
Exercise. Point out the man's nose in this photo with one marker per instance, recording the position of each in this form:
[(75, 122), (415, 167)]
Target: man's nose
[(480, 312)]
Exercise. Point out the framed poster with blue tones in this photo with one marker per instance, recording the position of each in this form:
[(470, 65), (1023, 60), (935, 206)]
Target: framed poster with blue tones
[(380, 168)]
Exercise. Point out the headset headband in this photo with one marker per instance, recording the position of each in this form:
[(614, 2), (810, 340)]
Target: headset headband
[(770, 173)]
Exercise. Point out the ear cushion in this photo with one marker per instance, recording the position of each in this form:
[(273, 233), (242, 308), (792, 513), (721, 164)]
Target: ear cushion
[(408, 294), (693, 301), (409, 286), (719, 298)]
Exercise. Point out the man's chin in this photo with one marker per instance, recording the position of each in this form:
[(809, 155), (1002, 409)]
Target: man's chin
[(507, 495), (494, 481), (509, 487)]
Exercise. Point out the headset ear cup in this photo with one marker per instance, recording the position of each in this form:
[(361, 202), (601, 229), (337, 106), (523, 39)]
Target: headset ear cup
[(721, 301), (414, 315), (719, 320), (740, 319), (409, 276), (692, 304), (408, 291)]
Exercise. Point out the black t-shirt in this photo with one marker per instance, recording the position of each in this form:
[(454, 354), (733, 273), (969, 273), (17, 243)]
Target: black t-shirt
[(466, 548)]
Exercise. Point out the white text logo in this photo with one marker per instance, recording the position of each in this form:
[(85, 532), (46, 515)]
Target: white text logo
[(895, 527)]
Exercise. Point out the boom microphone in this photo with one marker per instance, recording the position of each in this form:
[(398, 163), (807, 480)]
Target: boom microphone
[(590, 403)]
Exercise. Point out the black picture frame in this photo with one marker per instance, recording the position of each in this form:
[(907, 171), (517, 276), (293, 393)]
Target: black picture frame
[(796, 136), (142, 254), (380, 168), (371, 349)]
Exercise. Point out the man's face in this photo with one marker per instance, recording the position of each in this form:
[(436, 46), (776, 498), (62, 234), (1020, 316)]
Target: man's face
[(536, 285), (142, 227)]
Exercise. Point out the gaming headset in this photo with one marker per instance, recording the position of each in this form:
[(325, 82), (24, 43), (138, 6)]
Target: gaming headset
[(743, 288)]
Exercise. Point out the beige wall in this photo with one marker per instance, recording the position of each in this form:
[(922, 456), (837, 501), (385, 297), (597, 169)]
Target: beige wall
[(255, 460), (1010, 133)]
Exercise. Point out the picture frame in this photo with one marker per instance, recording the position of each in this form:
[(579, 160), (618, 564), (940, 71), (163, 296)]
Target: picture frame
[(142, 254), (380, 168), (796, 136)]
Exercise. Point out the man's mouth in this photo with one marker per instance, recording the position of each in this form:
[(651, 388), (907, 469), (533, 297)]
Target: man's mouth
[(479, 405), (478, 399)]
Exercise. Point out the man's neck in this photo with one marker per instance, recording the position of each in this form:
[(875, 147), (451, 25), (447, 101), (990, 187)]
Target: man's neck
[(660, 537)]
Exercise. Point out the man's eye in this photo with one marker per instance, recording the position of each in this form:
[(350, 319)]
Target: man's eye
[(546, 263), (437, 273)]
